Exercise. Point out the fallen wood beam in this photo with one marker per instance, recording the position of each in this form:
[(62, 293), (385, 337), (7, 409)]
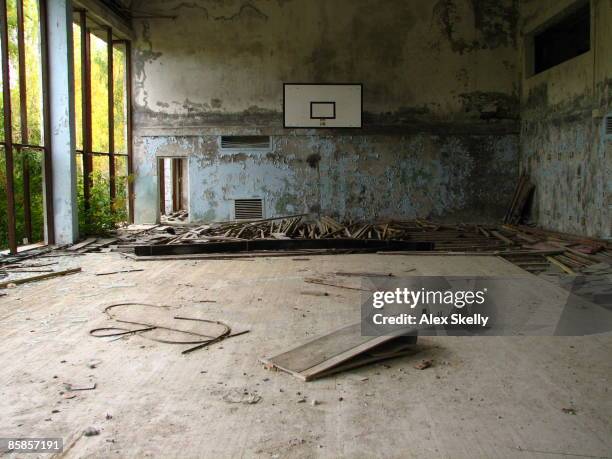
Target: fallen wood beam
[(40, 277), (565, 268), (120, 271), (331, 284), (502, 238), (373, 245), (82, 244)]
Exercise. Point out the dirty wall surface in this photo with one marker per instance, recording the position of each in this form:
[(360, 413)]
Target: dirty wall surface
[(441, 105), (563, 143)]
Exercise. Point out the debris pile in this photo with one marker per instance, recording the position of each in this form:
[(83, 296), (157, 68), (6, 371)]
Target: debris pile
[(178, 216), (531, 248)]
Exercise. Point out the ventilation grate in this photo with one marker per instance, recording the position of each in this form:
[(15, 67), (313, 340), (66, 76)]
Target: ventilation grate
[(248, 209), (609, 125), (245, 142)]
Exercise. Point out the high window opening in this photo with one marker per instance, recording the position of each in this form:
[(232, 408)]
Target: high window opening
[(563, 40), (22, 139), (101, 62), (103, 125)]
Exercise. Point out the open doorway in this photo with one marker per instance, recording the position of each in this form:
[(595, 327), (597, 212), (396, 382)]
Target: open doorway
[(173, 189)]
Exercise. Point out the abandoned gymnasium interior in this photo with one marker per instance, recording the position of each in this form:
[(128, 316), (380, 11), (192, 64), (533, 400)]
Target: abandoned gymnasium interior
[(306, 228)]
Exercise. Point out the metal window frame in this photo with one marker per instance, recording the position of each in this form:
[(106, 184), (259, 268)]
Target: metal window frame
[(10, 147), (8, 144), (86, 103)]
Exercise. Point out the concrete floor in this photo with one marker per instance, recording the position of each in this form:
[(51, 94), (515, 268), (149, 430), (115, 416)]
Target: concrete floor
[(483, 397)]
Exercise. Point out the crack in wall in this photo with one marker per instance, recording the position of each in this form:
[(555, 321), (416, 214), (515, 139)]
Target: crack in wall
[(246, 10)]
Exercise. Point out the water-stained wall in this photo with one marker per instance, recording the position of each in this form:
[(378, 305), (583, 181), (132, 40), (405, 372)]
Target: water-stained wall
[(563, 143), (440, 79)]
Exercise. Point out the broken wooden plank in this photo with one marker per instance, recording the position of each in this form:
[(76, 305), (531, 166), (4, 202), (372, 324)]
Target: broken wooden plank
[(319, 356), (331, 284), (40, 277), (565, 268), (502, 238), (82, 244), (119, 271)]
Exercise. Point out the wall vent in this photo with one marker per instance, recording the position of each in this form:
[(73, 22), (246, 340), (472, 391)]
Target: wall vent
[(248, 209), (608, 125), (245, 142)]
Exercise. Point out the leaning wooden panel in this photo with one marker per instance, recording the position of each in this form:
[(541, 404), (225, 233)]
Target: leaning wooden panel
[(317, 357)]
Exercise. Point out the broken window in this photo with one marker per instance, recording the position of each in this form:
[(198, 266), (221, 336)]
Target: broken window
[(563, 40)]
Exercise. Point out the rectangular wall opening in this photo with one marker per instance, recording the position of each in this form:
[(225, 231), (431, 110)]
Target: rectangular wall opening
[(173, 190), (563, 39)]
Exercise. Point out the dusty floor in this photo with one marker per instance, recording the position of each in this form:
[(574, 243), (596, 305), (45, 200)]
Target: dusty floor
[(484, 397)]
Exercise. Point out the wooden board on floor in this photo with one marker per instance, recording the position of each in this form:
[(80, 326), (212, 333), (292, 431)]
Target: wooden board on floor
[(81, 245), (322, 355)]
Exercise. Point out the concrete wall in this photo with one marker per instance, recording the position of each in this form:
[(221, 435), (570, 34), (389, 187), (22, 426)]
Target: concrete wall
[(563, 146), (441, 93)]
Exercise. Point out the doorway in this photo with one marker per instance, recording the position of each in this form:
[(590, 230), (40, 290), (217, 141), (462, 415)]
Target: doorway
[(173, 189)]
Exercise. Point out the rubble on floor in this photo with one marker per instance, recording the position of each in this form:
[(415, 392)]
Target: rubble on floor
[(533, 249), (159, 323), (178, 216)]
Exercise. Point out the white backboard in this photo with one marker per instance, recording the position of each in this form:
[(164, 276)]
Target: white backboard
[(322, 105)]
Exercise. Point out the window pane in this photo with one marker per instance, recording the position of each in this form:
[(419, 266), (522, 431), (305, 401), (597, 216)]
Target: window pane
[(120, 107), (27, 174), (121, 181), (3, 202), (78, 108), (33, 71), (11, 6), (99, 94)]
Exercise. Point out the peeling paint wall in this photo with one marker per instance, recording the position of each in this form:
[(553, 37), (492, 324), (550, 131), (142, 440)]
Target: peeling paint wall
[(563, 145), (441, 105)]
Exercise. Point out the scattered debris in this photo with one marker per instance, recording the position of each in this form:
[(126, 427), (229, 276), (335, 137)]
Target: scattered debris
[(569, 411), (343, 274), (120, 271), (179, 215), (91, 432), (330, 284), (211, 331), (314, 293), (72, 388), (241, 396), (423, 364), (14, 282), (525, 246)]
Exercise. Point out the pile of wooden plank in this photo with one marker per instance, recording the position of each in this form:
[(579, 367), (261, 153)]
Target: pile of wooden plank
[(531, 248)]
